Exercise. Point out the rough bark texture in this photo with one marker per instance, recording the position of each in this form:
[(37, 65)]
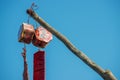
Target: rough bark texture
[(105, 74)]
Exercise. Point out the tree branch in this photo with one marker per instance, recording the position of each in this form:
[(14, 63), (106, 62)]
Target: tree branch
[(105, 74), (25, 72)]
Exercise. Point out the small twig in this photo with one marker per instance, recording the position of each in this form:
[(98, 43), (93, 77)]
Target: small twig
[(25, 72)]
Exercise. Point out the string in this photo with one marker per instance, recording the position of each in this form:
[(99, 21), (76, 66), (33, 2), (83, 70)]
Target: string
[(28, 21), (36, 24), (24, 46)]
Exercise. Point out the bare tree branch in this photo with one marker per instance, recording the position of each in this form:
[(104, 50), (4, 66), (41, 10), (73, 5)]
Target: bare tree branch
[(105, 74), (25, 72)]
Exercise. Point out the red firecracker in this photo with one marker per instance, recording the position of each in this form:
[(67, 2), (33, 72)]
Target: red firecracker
[(39, 66), (26, 33), (42, 37)]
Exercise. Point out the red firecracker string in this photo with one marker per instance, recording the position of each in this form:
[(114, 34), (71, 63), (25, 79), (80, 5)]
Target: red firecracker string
[(39, 66)]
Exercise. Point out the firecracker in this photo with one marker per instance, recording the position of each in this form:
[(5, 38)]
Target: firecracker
[(26, 33), (39, 37), (39, 66), (42, 37)]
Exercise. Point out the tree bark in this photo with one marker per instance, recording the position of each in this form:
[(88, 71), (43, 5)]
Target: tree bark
[(25, 72), (105, 74)]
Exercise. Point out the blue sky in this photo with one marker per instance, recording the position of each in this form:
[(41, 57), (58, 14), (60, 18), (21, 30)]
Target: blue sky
[(93, 26)]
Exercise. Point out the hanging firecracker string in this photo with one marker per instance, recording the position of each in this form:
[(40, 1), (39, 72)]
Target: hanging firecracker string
[(39, 66), (39, 37)]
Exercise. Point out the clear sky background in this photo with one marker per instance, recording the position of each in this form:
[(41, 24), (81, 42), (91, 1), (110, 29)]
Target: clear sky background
[(93, 26)]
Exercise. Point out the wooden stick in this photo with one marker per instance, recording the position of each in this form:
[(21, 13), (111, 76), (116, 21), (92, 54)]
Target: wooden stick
[(25, 72), (106, 75)]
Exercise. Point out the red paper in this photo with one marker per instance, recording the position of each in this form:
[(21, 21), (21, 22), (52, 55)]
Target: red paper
[(39, 66)]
